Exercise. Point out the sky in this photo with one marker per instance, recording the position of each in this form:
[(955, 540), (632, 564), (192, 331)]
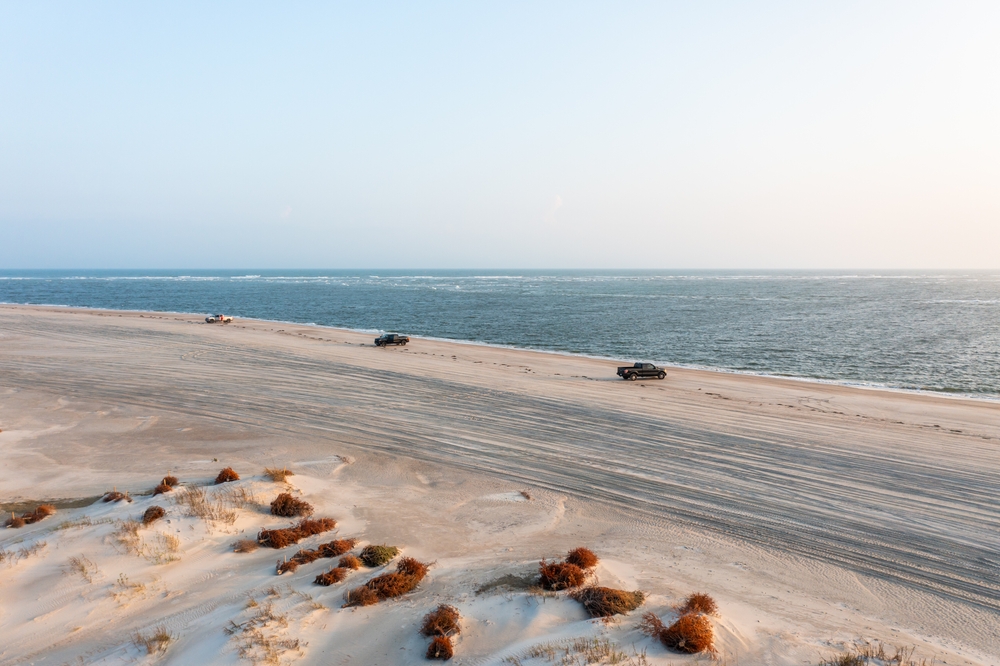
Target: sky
[(500, 134)]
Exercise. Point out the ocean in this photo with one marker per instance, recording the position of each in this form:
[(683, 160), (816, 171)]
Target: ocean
[(927, 331)]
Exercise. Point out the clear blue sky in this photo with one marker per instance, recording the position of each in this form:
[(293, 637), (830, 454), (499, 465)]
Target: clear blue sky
[(504, 134)]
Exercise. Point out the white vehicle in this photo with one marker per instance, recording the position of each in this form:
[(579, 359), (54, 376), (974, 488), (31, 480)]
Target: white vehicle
[(218, 319)]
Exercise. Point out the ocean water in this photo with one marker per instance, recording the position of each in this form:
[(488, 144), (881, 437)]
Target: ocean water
[(933, 331)]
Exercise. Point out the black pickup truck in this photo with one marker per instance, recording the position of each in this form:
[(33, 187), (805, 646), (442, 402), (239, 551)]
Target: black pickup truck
[(641, 371), (391, 339)]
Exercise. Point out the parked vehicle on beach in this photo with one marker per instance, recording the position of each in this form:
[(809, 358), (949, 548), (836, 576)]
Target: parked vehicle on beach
[(391, 339), (218, 319), (641, 371)]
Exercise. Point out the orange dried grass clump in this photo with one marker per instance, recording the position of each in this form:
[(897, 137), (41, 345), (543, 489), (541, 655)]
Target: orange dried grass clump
[(361, 596), (288, 506), (606, 601), (301, 557), (390, 585), (170, 480), (583, 558), (287, 536), (337, 547), (350, 562), (115, 496), (560, 575), (162, 488), (287, 566), (691, 633), (699, 602), (41, 512), (226, 475), (442, 621), (15, 522), (409, 572), (44, 511), (152, 514), (440, 648), (409, 566), (332, 576)]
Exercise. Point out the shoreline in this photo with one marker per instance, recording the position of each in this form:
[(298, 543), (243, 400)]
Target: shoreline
[(980, 397), (814, 514)]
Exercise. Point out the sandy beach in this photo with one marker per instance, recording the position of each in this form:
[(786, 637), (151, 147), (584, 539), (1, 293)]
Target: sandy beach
[(814, 514)]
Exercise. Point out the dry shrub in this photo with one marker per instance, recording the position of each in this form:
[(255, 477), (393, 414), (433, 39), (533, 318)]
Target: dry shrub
[(440, 648), (287, 536), (318, 526), (691, 633), (245, 546), (226, 475), (288, 506), (40, 513), (279, 538), (306, 556), (115, 496), (163, 488), (411, 567), (560, 575), (699, 603), (863, 652), (278, 474), (376, 556), (15, 522), (12, 557), (152, 514), (606, 601), (82, 565), (238, 497), (350, 562), (332, 576), (391, 585), (127, 535), (155, 642), (442, 621), (44, 511), (337, 547), (259, 636), (583, 558), (361, 596), (407, 576), (301, 557), (163, 549), (198, 504), (169, 480), (287, 566)]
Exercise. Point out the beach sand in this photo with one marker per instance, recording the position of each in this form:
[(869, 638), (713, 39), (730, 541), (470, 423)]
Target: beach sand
[(815, 514)]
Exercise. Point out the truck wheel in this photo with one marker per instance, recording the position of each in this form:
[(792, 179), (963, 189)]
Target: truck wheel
[(632, 376), (662, 375)]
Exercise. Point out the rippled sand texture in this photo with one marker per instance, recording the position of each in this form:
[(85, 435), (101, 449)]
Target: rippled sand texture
[(823, 512)]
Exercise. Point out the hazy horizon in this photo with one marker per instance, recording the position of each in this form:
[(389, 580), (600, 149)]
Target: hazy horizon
[(777, 136)]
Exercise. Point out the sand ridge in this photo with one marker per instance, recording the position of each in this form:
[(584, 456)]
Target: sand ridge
[(814, 512)]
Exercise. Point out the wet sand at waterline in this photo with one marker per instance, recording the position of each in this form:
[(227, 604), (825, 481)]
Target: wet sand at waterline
[(815, 514)]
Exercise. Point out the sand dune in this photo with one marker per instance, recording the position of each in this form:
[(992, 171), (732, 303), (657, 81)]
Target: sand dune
[(816, 514)]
